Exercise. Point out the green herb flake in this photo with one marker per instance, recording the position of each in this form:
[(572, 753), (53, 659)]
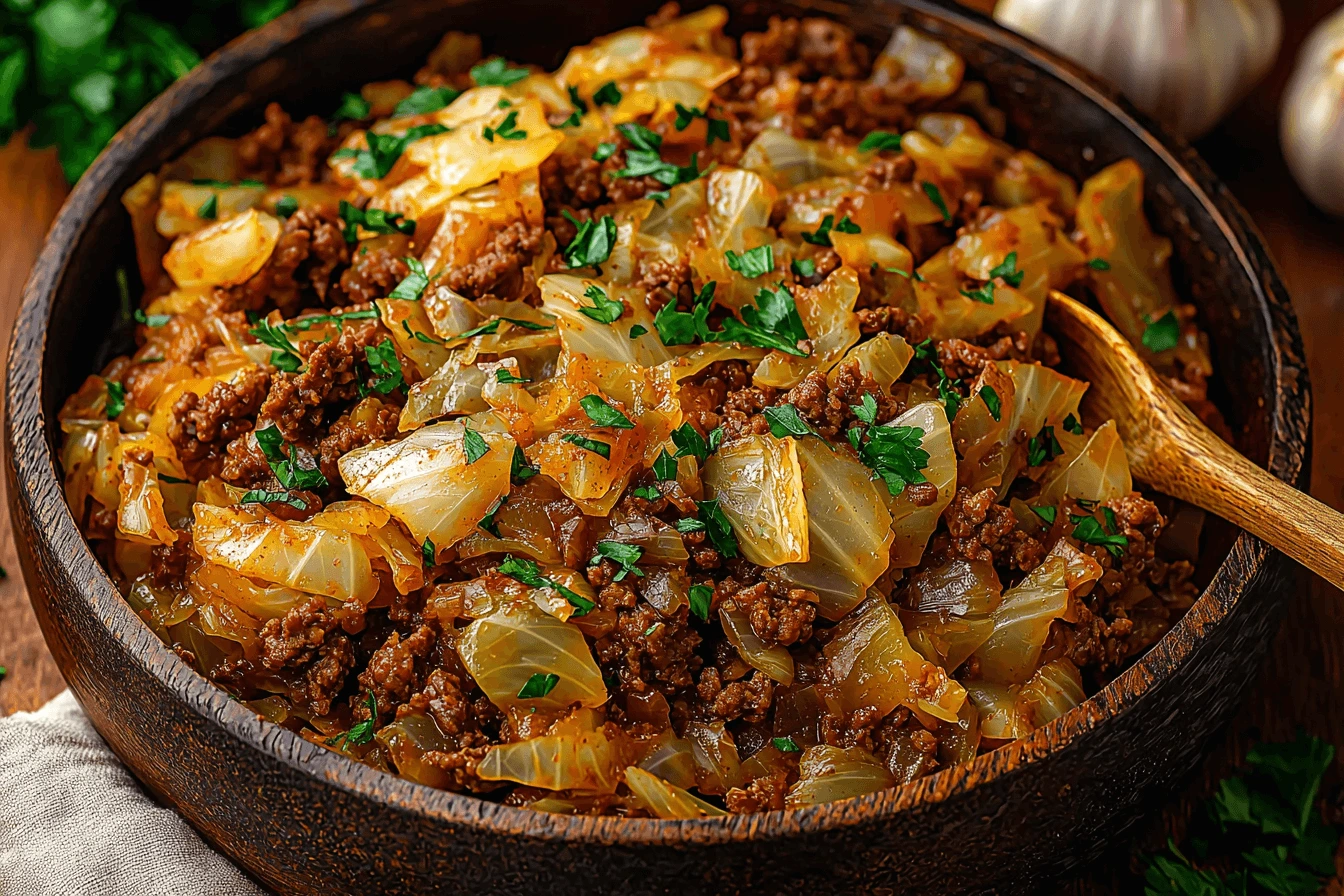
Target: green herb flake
[(474, 446), (153, 321), (209, 209), (506, 377), (604, 310), (116, 398), (1071, 424), (424, 100), (538, 686), (774, 323), (995, 404), (488, 522), (520, 470), (936, 197), (785, 421), (284, 356), (715, 128), (286, 467), (684, 327), (665, 467), (428, 553), (601, 449), (374, 220), (1043, 447), (690, 443), (607, 95), (686, 525), (1099, 264), (261, 496), (496, 73), (701, 597), (1162, 334), (603, 414), (1046, 513), (753, 263), (527, 572), (603, 152), (286, 205), (822, 235), (785, 745), (382, 151), (895, 454), (717, 527), (1007, 269), (385, 365), (647, 492), (1089, 530), (413, 285), (984, 293), (592, 244), (353, 107), (804, 267), (878, 141), (638, 330), (506, 130), (361, 733), (623, 555)]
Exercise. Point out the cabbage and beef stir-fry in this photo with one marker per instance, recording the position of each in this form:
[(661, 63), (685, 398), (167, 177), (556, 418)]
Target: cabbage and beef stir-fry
[(667, 435)]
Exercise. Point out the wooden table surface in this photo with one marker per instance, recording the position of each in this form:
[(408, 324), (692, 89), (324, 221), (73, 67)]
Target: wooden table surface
[(1301, 683)]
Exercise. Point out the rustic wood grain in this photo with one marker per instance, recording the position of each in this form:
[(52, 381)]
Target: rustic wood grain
[(1301, 683), (1172, 451)]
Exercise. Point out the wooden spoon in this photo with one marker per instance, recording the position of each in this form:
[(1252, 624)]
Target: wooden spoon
[(1171, 450)]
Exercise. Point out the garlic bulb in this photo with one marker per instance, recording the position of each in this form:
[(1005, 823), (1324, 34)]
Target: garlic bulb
[(1185, 62), (1312, 128)]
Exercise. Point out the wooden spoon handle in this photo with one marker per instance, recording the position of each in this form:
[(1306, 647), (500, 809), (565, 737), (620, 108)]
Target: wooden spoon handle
[(1215, 477)]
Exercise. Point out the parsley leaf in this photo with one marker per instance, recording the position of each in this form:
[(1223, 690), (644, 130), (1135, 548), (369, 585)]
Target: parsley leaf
[(603, 414), (153, 321), (603, 152), (592, 244), (690, 443), (496, 73), (520, 470), (286, 468), (774, 323), (383, 150), (995, 405), (701, 596), (286, 205), (361, 733), (209, 209), (473, 446), (116, 398), (506, 377), (785, 745), (601, 449), (894, 453), (607, 95), (804, 267), (665, 467), (261, 496), (752, 263), (684, 327), (1072, 425), (427, 552), (1043, 447), (507, 129), (785, 420), (624, 555), (984, 293), (1099, 264), (353, 107), (414, 283), (1088, 529), (527, 572), (1046, 513), (877, 141), (284, 355), (716, 129), (424, 100), (689, 524), (647, 492), (1007, 269), (385, 365), (604, 310), (374, 220), (936, 197), (638, 330), (717, 527), (538, 685), (488, 522), (822, 235), (1162, 334)]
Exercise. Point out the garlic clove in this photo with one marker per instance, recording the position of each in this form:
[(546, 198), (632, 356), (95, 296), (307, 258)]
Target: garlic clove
[(1185, 62), (1311, 129)]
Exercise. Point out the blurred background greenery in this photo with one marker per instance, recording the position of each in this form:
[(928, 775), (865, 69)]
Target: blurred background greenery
[(77, 70)]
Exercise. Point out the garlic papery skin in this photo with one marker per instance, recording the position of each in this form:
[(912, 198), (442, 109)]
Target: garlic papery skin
[(1312, 127), (1185, 62)]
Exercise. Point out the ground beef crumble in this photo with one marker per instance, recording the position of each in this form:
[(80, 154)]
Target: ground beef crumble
[(202, 425)]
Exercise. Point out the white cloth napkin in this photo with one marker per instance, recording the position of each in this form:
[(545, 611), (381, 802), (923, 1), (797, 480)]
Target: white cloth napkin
[(74, 822)]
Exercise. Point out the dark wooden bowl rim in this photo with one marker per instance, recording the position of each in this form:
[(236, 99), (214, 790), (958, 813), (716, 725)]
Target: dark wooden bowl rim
[(35, 469)]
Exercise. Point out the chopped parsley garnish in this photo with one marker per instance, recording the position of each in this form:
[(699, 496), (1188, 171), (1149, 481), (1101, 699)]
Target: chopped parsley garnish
[(473, 446), (520, 470), (647, 492), (690, 443), (603, 414), (261, 496), (984, 293), (665, 467), (936, 197), (804, 267), (304, 324), (284, 355), (948, 395), (638, 330), (427, 552), (900, 273), (643, 159), (383, 150), (684, 327), (995, 405), (538, 685), (1046, 513), (701, 597), (1071, 424), (717, 527), (1007, 269), (1043, 447), (496, 73), (116, 398), (1099, 264), (424, 100), (877, 141), (752, 263), (894, 453), (418, 336), (786, 421), (822, 235), (414, 283), (601, 449), (716, 128), (785, 745), (607, 95), (488, 522), (287, 469), (1089, 530), (374, 220), (286, 206), (623, 555), (153, 321), (385, 365), (209, 209), (603, 152), (1162, 334), (506, 377), (689, 524), (604, 310), (361, 733), (353, 107), (774, 323), (527, 572), (507, 129), (592, 244)]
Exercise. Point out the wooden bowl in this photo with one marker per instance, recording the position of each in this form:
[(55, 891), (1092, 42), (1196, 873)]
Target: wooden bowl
[(304, 820)]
